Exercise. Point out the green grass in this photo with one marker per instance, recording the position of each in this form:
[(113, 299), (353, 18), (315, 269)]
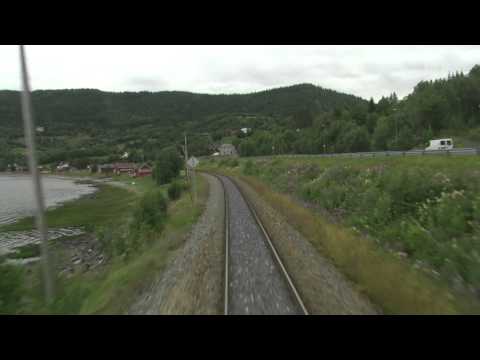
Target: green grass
[(118, 289), (140, 184), (105, 206), (27, 251)]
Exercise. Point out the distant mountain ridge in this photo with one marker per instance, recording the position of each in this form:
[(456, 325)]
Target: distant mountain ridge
[(91, 107), (143, 120)]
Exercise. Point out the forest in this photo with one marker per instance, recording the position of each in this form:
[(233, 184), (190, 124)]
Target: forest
[(85, 126)]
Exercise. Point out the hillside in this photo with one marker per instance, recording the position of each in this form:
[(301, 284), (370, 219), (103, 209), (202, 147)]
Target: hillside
[(84, 126), (88, 123)]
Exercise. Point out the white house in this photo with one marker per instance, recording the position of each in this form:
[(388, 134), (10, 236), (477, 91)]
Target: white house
[(63, 166), (227, 149)]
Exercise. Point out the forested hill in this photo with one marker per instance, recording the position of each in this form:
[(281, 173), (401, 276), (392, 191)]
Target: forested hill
[(85, 108), (89, 122), (84, 126)]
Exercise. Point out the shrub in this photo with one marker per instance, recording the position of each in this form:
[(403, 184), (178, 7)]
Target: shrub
[(249, 168), (168, 166), (151, 211), (175, 190)]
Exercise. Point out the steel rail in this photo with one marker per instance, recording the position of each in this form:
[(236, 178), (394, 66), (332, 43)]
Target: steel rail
[(267, 239), (227, 246), (270, 244)]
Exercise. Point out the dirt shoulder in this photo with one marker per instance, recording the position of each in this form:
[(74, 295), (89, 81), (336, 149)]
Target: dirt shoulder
[(323, 288), (193, 281)]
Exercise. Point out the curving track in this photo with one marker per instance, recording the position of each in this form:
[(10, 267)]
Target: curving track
[(256, 281)]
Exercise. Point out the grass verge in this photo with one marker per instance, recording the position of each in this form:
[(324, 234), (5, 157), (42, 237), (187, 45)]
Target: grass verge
[(125, 280)]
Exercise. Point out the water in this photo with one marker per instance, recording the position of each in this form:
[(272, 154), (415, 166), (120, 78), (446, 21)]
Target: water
[(17, 198), (17, 201)]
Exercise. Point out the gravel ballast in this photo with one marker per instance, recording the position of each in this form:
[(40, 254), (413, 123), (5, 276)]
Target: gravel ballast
[(256, 285)]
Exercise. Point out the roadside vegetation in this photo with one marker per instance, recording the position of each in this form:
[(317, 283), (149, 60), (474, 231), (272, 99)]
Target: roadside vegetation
[(406, 230), (138, 227)]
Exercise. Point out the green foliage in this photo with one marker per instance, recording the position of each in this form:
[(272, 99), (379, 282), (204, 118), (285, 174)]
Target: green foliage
[(249, 168), (27, 251), (93, 125), (151, 211), (11, 288), (168, 166), (428, 208), (175, 190)]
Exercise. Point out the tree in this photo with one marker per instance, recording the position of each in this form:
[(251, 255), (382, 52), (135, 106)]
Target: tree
[(168, 166), (382, 133), (371, 106), (302, 119)]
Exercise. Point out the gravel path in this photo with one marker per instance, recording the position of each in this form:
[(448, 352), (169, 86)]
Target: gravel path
[(193, 282), (323, 288), (256, 285)]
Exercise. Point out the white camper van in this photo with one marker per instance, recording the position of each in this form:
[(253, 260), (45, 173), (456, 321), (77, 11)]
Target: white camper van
[(440, 144)]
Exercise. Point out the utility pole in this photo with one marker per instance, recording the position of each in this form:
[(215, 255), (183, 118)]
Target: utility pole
[(37, 184), (185, 151), (194, 184)]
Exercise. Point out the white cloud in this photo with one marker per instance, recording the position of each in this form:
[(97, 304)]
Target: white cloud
[(362, 70)]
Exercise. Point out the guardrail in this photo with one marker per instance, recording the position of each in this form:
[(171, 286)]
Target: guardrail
[(454, 152), (461, 151)]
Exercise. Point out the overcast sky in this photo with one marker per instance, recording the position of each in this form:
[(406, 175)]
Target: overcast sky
[(366, 71)]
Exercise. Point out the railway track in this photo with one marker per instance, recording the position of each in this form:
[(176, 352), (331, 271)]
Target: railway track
[(255, 279)]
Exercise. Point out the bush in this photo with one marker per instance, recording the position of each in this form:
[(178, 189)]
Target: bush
[(429, 212), (151, 211), (168, 166), (175, 190), (249, 168)]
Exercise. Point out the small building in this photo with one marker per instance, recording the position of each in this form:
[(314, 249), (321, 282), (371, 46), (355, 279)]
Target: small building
[(63, 166), (245, 130), (124, 168), (19, 168), (106, 169), (143, 170), (227, 150)]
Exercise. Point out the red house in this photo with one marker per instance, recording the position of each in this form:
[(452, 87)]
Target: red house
[(124, 168), (143, 170)]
